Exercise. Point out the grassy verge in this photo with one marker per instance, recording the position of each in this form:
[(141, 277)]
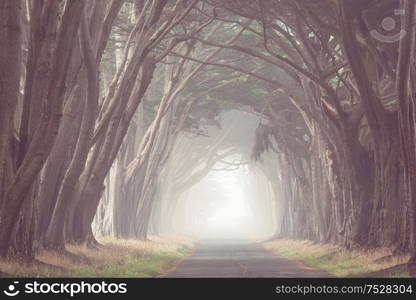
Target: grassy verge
[(340, 262), (115, 258)]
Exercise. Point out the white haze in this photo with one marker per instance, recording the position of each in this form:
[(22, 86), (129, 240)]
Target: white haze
[(225, 205)]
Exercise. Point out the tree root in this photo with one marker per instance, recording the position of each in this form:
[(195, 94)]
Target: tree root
[(330, 255), (385, 258), (5, 275), (37, 262), (76, 258), (384, 272)]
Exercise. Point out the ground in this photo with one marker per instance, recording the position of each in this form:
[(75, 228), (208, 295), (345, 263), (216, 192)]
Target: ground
[(239, 259), (180, 258), (377, 262), (114, 258)]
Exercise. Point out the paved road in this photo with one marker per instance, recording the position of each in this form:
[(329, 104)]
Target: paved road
[(238, 259)]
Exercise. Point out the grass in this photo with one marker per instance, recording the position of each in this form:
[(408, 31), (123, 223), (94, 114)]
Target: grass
[(115, 258), (338, 261)]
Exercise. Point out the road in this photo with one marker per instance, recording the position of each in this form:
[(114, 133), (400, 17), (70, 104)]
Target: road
[(239, 259)]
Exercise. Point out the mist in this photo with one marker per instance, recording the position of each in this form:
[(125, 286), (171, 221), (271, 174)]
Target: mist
[(222, 202)]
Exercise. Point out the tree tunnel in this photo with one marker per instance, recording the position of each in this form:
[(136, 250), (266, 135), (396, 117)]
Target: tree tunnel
[(279, 118), (211, 188)]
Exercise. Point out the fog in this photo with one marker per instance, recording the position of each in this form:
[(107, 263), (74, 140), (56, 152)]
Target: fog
[(219, 206), (230, 201)]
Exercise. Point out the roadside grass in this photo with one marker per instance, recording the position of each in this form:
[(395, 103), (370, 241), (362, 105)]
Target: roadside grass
[(114, 258), (337, 261)]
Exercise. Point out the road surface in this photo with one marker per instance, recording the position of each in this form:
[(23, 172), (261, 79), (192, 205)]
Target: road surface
[(238, 259)]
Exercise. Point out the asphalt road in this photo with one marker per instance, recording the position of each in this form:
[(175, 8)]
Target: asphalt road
[(239, 259)]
